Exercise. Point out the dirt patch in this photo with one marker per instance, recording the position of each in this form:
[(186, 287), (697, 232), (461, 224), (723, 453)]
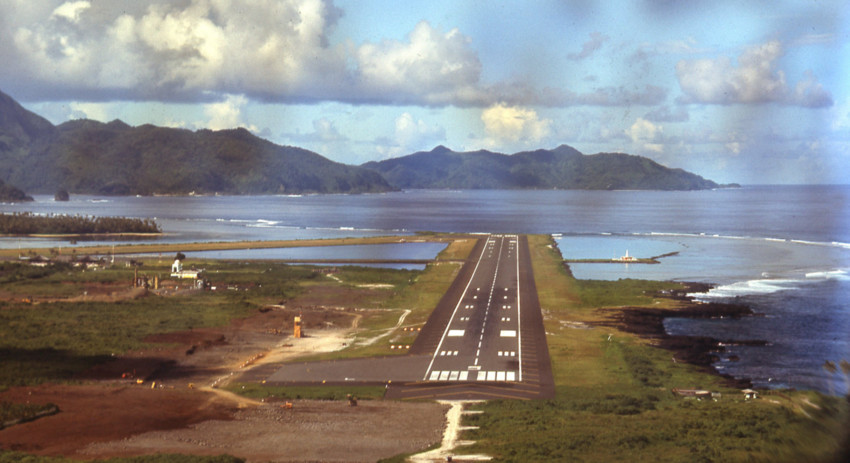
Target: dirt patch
[(177, 409), (310, 431), (102, 413)]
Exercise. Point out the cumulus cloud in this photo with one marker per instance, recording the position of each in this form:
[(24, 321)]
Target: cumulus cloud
[(226, 114), (200, 49), (439, 67), (268, 50), (647, 135), (71, 10), (505, 124), (159, 50), (412, 134), (754, 79)]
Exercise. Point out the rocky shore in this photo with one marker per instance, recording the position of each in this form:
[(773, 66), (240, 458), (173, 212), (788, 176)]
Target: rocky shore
[(696, 350)]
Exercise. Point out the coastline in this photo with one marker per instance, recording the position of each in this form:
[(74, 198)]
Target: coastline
[(700, 351)]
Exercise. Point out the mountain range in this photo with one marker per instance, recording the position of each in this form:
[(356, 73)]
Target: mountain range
[(85, 156)]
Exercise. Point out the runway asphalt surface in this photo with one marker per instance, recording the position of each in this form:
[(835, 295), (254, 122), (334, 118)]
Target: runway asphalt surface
[(484, 340)]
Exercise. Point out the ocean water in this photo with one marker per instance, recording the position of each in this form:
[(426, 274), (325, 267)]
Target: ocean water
[(784, 250)]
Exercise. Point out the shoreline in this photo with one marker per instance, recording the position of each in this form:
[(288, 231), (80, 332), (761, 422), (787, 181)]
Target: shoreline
[(700, 351)]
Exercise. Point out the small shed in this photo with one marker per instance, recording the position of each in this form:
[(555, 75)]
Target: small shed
[(750, 394)]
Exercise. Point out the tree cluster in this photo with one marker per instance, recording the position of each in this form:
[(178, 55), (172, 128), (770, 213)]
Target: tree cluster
[(27, 223)]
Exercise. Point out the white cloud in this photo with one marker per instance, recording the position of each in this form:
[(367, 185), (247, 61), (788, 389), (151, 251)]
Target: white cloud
[(71, 10), (438, 67), (755, 79), (326, 131), (268, 50), (647, 135), (505, 124), (412, 134), (94, 111), (226, 114), (166, 51)]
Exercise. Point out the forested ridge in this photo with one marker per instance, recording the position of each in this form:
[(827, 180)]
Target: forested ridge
[(563, 168)]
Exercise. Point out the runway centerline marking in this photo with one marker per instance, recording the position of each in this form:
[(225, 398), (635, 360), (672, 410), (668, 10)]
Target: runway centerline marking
[(492, 290)]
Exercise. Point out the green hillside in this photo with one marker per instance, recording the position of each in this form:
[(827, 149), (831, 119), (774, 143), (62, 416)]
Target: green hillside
[(561, 168), (85, 156)]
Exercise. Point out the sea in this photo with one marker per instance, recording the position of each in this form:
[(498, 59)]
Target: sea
[(782, 250)]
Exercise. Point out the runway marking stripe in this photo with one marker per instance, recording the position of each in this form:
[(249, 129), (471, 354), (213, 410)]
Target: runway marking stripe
[(456, 333), (508, 333), (463, 375)]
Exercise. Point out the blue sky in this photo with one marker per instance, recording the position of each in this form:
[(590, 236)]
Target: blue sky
[(748, 92)]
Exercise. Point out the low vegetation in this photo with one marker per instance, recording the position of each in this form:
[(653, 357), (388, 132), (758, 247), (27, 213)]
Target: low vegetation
[(59, 336), (12, 413)]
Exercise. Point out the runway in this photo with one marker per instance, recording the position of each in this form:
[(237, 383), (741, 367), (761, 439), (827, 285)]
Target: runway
[(484, 340)]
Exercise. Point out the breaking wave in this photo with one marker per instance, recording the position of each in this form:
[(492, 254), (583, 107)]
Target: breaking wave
[(768, 285)]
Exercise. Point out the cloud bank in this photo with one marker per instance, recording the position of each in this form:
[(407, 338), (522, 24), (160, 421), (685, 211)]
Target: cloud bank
[(267, 50), (755, 79)]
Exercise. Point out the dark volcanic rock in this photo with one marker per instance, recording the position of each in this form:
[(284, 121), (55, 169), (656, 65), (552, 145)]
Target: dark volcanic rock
[(696, 350)]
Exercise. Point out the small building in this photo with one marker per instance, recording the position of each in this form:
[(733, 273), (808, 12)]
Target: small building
[(36, 261), (626, 258), (178, 272), (750, 394)]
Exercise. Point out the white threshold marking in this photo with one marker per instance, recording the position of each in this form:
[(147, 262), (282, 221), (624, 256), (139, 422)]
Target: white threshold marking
[(456, 333), (463, 375), (508, 333)]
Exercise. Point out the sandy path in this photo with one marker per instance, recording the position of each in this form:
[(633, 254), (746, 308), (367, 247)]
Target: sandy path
[(451, 437)]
